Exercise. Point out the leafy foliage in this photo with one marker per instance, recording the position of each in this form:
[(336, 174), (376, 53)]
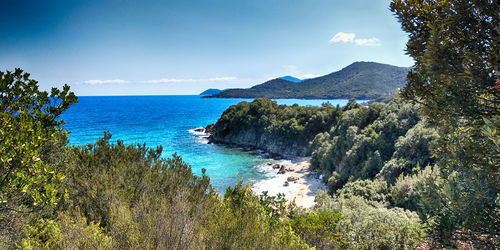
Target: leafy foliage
[(28, 120), (280, 129), (319, 229), (408, 190), (123, 196), (363, 152), (455, 45), (68, 231), (370, 225), (380, 141), (370, 190)]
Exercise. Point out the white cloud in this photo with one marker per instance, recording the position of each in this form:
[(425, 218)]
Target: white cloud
[(98, 82), (343, 37), (289, 67), (181, 80), (219, 79), (168, 80), (367, 41)]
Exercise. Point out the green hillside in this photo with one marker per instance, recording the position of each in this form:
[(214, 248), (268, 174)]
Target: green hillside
[(361, 80)]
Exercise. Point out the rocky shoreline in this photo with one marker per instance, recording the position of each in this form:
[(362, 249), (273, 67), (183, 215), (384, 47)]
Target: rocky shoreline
[(290, 175), (270, 147), (294, 179)]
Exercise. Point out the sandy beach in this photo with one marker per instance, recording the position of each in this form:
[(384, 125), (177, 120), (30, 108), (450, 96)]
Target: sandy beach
[(302, 190)]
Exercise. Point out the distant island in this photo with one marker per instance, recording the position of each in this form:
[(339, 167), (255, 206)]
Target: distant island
[(210, 92), (361, 80)]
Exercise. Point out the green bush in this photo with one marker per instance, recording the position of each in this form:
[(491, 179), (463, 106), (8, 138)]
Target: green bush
[(408, 189), (370, 225), (376, 190), (67, 231), (244, 221), (411, 151), (382, 140), (319, 229)]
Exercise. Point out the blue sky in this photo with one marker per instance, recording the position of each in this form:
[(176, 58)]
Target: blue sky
[(126, 47)]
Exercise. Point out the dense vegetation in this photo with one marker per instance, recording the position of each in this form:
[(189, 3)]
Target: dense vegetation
[(363, 153), (361, 80), (424, 167), (108, 196), (455, 45), (278, 129), (442, 164), (382, 141)]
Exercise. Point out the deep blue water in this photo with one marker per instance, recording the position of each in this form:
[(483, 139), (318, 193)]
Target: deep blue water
[(166, 120)]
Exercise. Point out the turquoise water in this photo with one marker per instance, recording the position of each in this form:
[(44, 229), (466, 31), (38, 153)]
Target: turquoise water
[(166, 120)]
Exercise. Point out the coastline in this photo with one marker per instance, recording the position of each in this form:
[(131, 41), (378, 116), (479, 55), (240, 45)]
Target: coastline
[(296, 181)]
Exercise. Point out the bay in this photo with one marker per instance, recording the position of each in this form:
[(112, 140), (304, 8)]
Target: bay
[(166, 121)]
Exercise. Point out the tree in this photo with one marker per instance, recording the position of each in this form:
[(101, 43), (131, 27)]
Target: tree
[(455, 45), (455, 48), (29, 118)]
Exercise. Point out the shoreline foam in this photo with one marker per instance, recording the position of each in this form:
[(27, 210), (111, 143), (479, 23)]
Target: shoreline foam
[(200, 137), (301, 191)]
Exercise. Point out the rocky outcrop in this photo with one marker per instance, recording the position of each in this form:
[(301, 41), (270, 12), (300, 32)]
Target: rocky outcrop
[(279, 130), (210, 129), (274, 144), (282, 170)]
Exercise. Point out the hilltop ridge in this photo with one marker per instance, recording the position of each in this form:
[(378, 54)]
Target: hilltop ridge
[(361, 80)]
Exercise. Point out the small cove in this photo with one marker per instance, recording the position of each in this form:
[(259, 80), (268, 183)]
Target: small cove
[(167, 121)]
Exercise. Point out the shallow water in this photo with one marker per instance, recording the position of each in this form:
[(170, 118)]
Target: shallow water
[(167, 121)]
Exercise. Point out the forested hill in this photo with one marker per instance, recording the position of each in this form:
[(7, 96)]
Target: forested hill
[(361, 80)]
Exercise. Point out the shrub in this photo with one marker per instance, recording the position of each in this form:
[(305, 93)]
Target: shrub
[(369, 190), (407, 190), (370, 225), (319, 229), (67, 231)]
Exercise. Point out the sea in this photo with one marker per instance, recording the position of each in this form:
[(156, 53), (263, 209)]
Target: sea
[(170, 120)]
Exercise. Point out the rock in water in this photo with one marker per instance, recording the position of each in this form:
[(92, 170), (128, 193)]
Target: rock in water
[(286, 184), (282, 170), (210, 129)]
